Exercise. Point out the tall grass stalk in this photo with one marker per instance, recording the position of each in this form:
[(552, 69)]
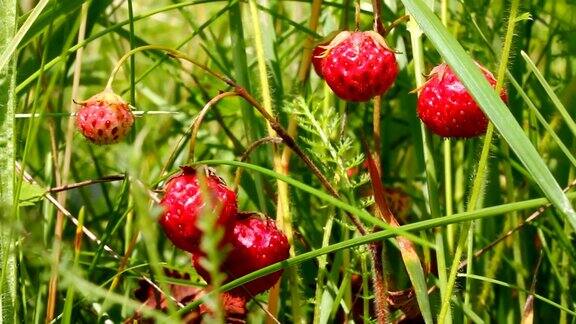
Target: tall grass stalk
[(479, 178), (8, 273), (283, 213)]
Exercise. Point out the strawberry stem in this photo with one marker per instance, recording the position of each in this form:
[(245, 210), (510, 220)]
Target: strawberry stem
[(200, 117), (357, 15), (378, 25), (171, 52)]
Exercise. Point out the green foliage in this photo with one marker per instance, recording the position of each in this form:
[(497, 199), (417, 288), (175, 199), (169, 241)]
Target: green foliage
[(122, 244), (335, 152)]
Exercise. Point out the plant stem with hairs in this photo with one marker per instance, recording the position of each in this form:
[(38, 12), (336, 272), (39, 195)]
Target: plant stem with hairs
[(8, 203)]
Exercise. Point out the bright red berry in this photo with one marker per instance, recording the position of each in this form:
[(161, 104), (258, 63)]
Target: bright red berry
[(184, 205), (104, 118), (446, 107), (255, 243), (318, 59), (359, 65)]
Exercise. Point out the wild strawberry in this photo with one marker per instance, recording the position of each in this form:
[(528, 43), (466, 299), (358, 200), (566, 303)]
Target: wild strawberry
[(446, 107), (359, 65), (255, 243), (318, 59), (104, 118), (183, 205)]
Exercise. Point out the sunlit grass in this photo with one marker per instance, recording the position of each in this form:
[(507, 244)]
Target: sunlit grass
[(520, 254)]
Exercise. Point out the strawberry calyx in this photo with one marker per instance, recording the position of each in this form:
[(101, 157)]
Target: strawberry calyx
[(343, 35), (107, 96)]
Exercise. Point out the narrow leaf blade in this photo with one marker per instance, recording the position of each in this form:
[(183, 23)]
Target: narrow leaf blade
[(463, 65)]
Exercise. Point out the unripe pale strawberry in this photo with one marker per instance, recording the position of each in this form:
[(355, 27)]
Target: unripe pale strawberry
[(359, 65), (104, 118), (184, 205), (446, 107), (255, 243)]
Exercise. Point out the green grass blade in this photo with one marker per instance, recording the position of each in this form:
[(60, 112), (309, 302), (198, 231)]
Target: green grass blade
[(381, 235), (505, 284), (105, 32), (69, 303), (252, 124), (541, 119), (555, 100), (491, 104), (10, 48), (407, 250), (8, 267), (416, 274), (49, 15), (360, 213)]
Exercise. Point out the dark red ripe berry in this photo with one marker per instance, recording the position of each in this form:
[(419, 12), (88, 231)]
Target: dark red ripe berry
[(183, 206), (104, 118), (446, 107), (318, 59), (255, 243), (359, 66)]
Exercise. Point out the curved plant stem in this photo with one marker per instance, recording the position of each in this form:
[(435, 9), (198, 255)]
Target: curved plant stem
[(198, 120), (172, 52), (482, 166), (395, 23), (242, 92)]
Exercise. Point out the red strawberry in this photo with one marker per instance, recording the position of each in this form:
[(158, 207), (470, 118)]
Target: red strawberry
[(359, 66), (255, 243), (104, 118), (183, 205), (446, 107), (318, 59)]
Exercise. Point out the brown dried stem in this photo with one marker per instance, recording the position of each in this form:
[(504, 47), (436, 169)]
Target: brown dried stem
[(110, 178), (378, 25)]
